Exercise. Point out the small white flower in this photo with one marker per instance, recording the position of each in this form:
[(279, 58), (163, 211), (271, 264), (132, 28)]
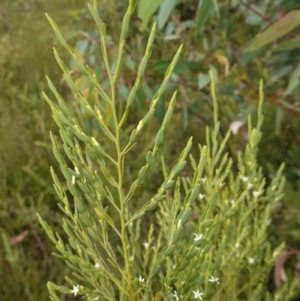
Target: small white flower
[(244, 179), (251, 260), (75, 289), (73, 180), (96, 298), (97, 265), (77, 170), (95, 141), (182, 282), (141, 279), (198, 237), (237, 245), (197, 294), (256, 194), (203, 180), (146, 245), (131, 258), (232, 202), (221, 184), (235, 126), (213, 279), (175, 295), (201, 196), (249, 185)]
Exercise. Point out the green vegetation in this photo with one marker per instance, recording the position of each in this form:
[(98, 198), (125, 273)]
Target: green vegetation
[(215, 38)]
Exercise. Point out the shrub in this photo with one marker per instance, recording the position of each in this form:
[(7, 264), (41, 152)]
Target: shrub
[(202, 235)]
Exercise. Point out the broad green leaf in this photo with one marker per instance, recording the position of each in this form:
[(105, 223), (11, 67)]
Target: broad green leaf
[(289, 45), (252, 18), (205, 8), (203, 80), (165, 11), (276, 30), (146, 9)]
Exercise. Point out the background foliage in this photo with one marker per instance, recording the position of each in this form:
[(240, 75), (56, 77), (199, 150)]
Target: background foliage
[(215, 36)]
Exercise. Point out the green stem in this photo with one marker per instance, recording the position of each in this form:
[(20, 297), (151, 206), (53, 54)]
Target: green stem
[(121, 192)]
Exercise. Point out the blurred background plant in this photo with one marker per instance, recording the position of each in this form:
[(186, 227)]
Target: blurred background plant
[(216, 36)]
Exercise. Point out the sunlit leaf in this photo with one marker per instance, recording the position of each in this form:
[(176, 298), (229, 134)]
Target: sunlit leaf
[(276, 30)]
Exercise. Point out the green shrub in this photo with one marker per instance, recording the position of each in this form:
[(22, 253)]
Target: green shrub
[(25, 148), (201, 235)]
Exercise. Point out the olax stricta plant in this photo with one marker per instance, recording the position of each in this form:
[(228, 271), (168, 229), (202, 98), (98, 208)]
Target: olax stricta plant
[(208, 234)]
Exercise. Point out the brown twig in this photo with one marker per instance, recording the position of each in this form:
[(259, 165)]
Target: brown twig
[(265, 18)]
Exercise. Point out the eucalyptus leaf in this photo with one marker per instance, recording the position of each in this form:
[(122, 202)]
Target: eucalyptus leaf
[(277, 30), (146, 9), (165, 10)]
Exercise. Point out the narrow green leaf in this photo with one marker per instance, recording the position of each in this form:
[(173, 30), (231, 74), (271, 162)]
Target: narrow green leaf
[(58, 34), (125, 26), (159, 138), (96, 17), (177, 169), (47, 228), (63, 67), (294, 81), (205, 8)]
